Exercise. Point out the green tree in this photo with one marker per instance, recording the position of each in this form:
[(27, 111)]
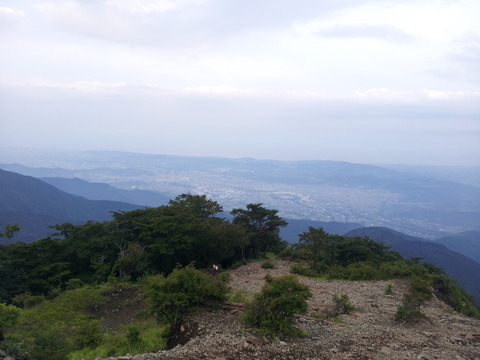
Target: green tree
[(131, 261), (262, 225), (197, 204), (273, 308), (315, 242), (10, 229), (226, 244)]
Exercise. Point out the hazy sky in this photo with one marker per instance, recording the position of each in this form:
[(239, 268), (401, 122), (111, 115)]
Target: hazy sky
[(354, 80)]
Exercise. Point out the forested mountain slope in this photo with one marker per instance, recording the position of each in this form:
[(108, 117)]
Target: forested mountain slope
[(99, 191), (35, 205), (456, 265), (466, 243)]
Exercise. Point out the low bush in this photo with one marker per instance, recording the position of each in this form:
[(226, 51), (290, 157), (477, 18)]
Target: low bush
[(268, 265), (273, 308), (341, 305), (452, 294), (174, 296), (240, 296), (410, 310), (389, 289), (304, 270), (9, 315)]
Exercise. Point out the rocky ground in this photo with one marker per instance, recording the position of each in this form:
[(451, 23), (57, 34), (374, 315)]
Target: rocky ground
[(368, 333)]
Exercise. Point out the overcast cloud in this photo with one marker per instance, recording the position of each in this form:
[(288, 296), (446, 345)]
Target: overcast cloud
[(354, 80)]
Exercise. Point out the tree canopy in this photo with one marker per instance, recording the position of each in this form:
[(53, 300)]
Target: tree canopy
[(262, 225), (147, 241)]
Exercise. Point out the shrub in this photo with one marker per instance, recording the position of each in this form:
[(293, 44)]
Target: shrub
[(420, 289), (73, 284), (448, 291), (240, 296), (88, 332), (409, 310), (273, 308), (303, 269), (133, 335), (50, 345), (337, 272), (361, 271), (389, 289), (184, 289), (419, 292), (341, 305), (286, 253), (9, 315), (268, 265), (16, 346), (27, 300), (271, 255)]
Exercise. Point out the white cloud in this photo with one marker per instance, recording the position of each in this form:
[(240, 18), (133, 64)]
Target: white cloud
[(144, 6), (316, 77), (11, 18), (381, 32), (436, 21)]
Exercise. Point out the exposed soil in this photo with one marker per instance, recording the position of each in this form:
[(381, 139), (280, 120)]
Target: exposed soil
[(369, 332), (122, 308)]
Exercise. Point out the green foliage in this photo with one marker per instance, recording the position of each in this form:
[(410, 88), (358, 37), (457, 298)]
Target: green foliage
[(9, 315), (50, 344), (73, 284), (273, 308), (286, 253), (10, 229), (64, 328), (410, 310), (389, 289), (174, 296), (419, 293), (447, 290), (262, 226), (420, 289), (343, 258), (87, 333), (341, 305), (240, 296), (16, 346), (268, 265), (27, 300), (315, 242), (133, 335), (136, 244), (304, 270), (133, 339)]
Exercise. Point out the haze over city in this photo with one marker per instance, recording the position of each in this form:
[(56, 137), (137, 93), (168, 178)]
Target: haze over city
[(354, 80)]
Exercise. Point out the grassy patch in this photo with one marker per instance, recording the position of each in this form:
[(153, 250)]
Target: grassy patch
[(86, 323)]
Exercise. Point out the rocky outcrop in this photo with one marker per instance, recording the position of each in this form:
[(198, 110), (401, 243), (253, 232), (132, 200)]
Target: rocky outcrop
[(367, 333)]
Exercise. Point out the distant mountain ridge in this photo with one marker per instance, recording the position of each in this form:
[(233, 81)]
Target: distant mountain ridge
[(99, 191), (466, 243), (325, 191), (34, 205)]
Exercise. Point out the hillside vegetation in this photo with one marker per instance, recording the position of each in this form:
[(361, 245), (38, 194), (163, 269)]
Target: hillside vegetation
[(35, 205), (127, 285)]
